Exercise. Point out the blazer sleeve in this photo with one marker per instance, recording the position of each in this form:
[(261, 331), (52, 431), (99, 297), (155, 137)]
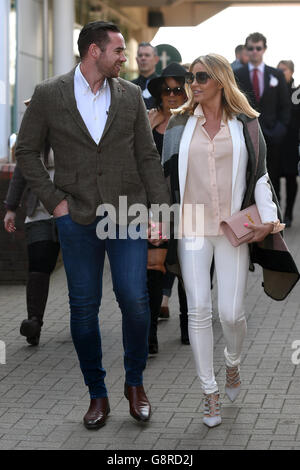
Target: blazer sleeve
[(15, 190), (264, 200), (30, 143)]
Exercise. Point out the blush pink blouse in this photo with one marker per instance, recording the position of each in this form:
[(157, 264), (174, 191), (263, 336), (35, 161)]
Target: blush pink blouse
[(209, 178)]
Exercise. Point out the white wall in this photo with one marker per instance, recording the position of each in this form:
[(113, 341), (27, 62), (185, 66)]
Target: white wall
[(4, 78), (30, 50)]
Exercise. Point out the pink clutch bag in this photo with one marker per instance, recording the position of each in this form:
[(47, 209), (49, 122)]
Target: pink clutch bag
[(234, 229)]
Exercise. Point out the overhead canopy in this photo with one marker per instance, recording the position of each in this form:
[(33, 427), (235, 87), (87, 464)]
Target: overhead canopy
[(144, 17)]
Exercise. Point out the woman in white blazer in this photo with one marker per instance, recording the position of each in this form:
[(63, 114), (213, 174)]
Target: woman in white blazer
[(214, 174)]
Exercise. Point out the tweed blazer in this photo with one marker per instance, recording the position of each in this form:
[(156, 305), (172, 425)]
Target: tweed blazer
[(19, 190), (124, 163)]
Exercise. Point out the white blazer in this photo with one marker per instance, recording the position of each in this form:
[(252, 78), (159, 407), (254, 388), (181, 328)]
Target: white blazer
[(262, 193)]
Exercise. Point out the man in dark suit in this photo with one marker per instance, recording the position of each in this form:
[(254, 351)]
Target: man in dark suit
[(267, 92), (98, 128), (147, 60)]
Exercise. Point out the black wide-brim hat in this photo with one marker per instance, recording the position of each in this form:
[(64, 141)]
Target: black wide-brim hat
[(172, 70)]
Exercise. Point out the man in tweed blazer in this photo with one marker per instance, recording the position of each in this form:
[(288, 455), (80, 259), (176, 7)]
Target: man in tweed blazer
[(97, 126)]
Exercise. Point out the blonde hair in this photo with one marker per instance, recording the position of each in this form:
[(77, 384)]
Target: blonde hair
[(233, 100)]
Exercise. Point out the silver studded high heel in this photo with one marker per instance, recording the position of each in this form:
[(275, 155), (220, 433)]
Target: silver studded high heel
[(212, 416), (233, 382)]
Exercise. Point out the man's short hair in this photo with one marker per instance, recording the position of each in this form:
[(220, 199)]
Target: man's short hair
[(256, 37), (289, 64), (239, 49), (95, 32), (147, 44)]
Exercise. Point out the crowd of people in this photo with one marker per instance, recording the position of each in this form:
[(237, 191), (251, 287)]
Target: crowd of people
[(210, 133)]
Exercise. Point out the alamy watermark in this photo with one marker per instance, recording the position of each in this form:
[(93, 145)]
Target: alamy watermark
[(2, 352), (296, 354), (296, 96), (159, 221)]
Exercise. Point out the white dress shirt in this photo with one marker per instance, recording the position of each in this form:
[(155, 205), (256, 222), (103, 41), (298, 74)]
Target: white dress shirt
[(92, 107), (261, 76)]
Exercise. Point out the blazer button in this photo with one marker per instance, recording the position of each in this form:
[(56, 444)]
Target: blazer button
[(99, 150)]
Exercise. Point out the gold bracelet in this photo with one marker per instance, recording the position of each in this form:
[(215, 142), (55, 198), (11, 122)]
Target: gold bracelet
[(277, 226)]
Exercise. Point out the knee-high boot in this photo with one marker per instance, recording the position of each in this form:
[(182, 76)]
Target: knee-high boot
[(36, 297)]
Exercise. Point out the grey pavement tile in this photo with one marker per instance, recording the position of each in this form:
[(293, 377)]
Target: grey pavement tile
[(8, 444), (237, 440), (166, 444), (246, 417), (11, 418), (23, 445), (266, 423), (74, 443), (90, 446), (262, 444)]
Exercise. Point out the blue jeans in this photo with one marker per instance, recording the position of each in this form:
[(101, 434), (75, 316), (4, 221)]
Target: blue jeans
[(83, 254)]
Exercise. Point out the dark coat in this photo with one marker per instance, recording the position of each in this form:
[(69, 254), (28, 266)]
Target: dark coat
[(274, 105), (142, 82), (289, 148)]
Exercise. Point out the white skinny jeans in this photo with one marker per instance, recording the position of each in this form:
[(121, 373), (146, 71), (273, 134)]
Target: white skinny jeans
[(231, 267)]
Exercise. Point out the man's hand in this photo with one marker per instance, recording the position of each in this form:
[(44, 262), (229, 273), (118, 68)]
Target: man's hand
[(259, 231), (9, 221), (61, 209), (157, 233)]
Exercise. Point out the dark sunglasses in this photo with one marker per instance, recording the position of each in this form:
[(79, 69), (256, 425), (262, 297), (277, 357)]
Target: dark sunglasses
[(177, 91), (201, 77), (251, 48)]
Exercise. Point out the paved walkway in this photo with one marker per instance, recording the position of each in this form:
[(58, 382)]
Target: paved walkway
[(43, 398)]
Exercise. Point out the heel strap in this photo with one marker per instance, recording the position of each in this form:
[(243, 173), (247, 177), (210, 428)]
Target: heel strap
[(212, 404), (232, 376)]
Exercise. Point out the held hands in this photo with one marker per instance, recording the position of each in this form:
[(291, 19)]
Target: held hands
[(156, 233), (259, 231), (9, 221), (61, 209)]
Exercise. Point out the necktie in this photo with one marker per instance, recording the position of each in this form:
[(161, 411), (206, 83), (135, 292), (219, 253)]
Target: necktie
[(255, 84)]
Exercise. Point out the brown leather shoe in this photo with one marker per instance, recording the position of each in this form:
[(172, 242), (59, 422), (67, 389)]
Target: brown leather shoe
[(97, 413), (139, 406)]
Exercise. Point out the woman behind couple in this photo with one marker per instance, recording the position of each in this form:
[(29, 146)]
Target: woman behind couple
[(209, 158)]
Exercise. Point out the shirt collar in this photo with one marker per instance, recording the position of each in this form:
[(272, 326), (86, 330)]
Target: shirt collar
[(260, 67), (198, 112), (83, 83)]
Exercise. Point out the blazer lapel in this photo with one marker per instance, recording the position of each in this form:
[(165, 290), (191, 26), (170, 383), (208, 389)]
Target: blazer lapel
[(184, 154), (116, 91), (266, 81), (248, 79), (67, 89), (236, 143)]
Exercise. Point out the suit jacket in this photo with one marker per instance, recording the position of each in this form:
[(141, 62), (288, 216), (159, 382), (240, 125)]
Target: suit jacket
[(274, 105), (289, 149), (142, 82), (125, 162)]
